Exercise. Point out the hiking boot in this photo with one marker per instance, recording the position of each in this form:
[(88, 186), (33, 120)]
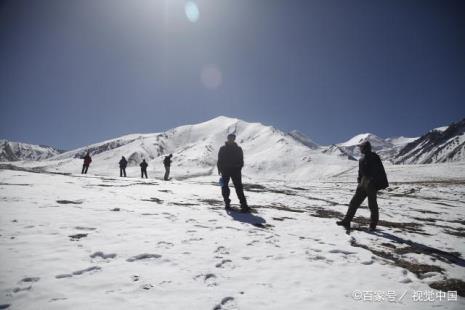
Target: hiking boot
[(344, 224), (245, 209), (227, 204), (372, 228)]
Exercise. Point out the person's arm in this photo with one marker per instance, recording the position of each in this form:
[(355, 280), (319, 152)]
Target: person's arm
[(219, 164), (241, 157)]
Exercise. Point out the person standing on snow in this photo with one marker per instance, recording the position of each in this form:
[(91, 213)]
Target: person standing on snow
[(87, 161), (371, 178), (230, 163), (167, 164), (143, 168), (122, 166)]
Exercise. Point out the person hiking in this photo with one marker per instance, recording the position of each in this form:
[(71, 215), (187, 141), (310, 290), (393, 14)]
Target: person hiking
[(371, 178), (122, 166), (230, 163), (167, 164), (87, 161), (143, 168)]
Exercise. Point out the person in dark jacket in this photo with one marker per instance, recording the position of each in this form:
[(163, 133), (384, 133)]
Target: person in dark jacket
[(87, 161), (167, 164), (371, 178), (143, 168), (122, 166), (230, 163)]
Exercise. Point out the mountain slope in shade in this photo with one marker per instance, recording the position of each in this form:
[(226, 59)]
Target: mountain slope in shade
[(15, 151), (269, 153), (302, 138), (444, 144)]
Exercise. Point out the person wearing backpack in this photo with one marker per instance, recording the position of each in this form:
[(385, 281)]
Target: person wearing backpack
[(87, 161), (371, 178), (230, 163), (122, 166), (143, 168), (167, 164)]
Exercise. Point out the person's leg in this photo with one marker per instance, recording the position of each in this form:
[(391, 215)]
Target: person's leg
[(355, 202), (167, 173), (87, 167), (225, 190), (146, 176), (124, 171), (373, 205), (237, 181), (83, 168), (142, 173), (120, 172)]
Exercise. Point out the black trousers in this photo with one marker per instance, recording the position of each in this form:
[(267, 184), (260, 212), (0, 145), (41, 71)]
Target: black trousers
[(84, 169), (122, 171), (143, 172), (167, 173), (236, 177), (365, 189)]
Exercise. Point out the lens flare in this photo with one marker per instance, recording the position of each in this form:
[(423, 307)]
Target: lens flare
[(192, 11), (211, 77)]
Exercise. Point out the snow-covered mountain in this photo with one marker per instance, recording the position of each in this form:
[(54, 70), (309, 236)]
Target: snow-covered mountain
[(443, 144), (269, 152), (14, 151), (386, 148), (379, 145)]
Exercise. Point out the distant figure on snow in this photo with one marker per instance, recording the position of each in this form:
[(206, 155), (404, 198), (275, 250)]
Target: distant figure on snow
[(230, 163), (371, 178), (87, 161), (167, 164), (122, 166), (143, 168)]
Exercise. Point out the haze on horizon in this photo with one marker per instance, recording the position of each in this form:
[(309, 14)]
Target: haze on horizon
[(76, 73)]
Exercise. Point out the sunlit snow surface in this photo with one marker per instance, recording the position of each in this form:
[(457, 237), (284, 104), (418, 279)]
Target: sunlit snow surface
[(103, 242)]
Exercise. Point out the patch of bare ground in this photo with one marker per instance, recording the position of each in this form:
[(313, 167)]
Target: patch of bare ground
[(450, 285), (416, 268)]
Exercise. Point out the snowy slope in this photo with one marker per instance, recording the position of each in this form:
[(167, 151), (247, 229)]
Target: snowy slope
[(444, 144), (93, 242), (269, 153), (14, 151)]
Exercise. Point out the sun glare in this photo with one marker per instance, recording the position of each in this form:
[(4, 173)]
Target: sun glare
[(192, 11)]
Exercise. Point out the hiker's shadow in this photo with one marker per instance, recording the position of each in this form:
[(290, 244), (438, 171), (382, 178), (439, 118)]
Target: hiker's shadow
[(424, 249), (248, 218)]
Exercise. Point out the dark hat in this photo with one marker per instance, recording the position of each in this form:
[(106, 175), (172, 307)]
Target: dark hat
[(231, 136)]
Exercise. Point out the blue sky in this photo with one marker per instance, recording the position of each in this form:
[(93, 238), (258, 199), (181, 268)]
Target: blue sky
[(78, 72)]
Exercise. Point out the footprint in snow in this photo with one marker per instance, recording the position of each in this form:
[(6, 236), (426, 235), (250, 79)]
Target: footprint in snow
[(221, 250), (143, 256), (74, 202), (165, 244), (224, 263), (227, 303), (79, 272), (85, 228), (30, 279), (102, 255), (344, 252), (209, 279), (77, 237)]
